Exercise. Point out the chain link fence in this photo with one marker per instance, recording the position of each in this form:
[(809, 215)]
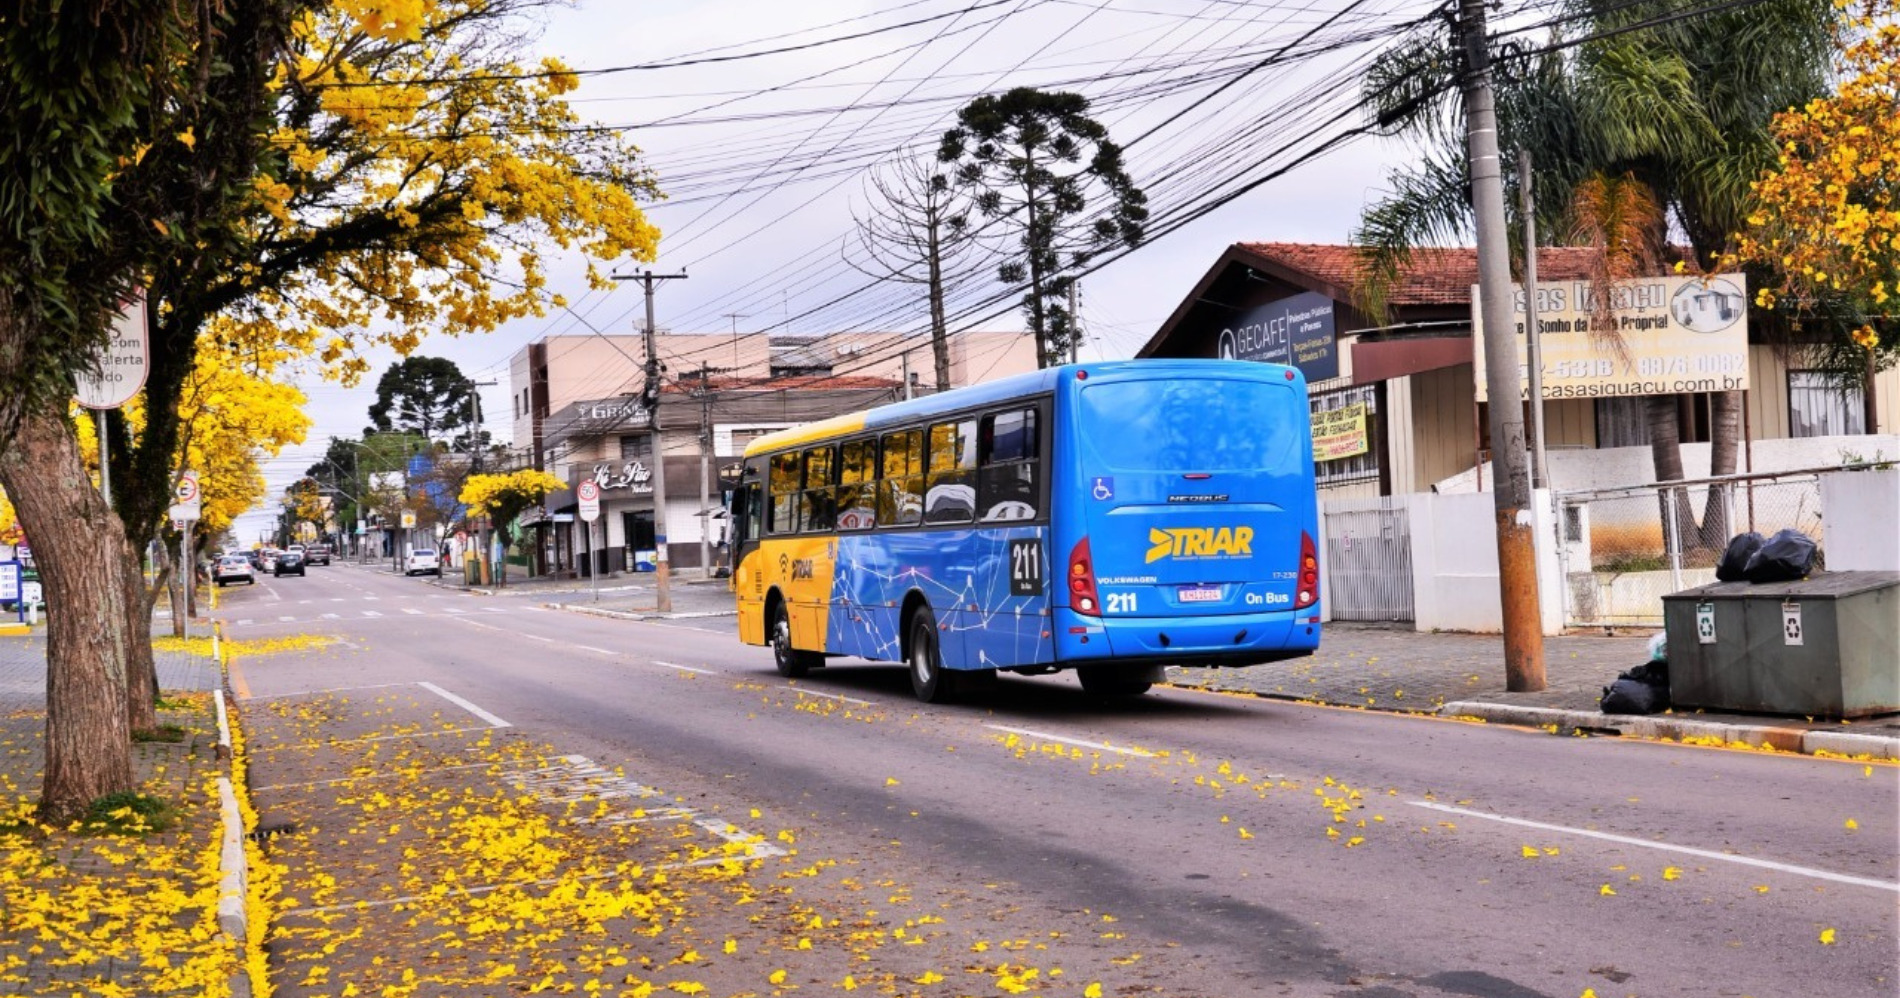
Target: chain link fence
[(1623, 549)]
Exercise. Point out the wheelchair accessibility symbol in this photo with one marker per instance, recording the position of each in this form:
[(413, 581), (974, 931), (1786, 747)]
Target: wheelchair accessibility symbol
[(1103, 489)]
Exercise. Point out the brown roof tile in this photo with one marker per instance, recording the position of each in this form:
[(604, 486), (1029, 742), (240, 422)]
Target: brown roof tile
[(1434, 277)]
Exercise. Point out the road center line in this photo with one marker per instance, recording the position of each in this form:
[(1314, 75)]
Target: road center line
[(465, 705), (684, 668), (1045, 736), (1766, 864), (830, 696)]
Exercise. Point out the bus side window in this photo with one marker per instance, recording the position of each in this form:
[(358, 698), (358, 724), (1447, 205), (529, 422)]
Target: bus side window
[(951, 493), (787, 478), (900, 498), (1007, 482), (819, 507), (857, 485)]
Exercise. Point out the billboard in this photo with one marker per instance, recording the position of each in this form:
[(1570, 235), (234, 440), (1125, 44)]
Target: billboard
[(1671, 335), (1340, 433), (1297, 331)]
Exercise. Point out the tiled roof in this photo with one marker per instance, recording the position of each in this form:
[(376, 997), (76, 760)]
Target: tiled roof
[(1434, 276), (796, 383)]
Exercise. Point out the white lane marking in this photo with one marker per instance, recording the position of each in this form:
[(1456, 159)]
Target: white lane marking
[(332, 689), (465, 705), (456, 610), (535, 609), (829, 696), (494, 609), (1766, 864), (336, 599), (288, 620), (411, 609), (597, 651), (535, 637), (371, 613), (333, 616), (684, 668), (244, 620), (304, 602), (1045, 736)]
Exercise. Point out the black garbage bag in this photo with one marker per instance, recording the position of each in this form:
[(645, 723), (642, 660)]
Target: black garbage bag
[(1734, 564), (1785, 557), (1642, 690)]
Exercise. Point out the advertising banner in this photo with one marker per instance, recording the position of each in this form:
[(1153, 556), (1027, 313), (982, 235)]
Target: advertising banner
[(1672, 335), (1297, 331), (1339, 432)]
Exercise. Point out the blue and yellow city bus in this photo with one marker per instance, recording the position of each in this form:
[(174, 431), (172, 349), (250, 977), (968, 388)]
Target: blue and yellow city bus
[(1110, 518)]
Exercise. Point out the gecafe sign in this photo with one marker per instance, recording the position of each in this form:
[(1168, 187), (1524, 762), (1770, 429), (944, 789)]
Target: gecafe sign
[(1671, 335)]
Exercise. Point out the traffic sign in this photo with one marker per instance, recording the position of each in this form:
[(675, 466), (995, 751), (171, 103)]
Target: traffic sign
[(122, 364), (588, 492), (187, 502)]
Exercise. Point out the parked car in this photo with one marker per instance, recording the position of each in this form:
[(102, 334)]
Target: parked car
[(317, 554), (256, 557), (233, 568), (269, 561), (288, 563), (424, 561)]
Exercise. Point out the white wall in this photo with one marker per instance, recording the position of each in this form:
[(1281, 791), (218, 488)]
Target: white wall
[(1615, 467), (1455, 563), (1860, 520)]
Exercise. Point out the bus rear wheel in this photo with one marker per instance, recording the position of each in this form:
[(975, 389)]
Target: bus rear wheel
[(1107, 681), (791, 662), (928, 678)]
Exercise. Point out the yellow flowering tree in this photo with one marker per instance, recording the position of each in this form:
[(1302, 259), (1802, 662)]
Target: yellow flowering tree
[(503, 497), (1826, 219)]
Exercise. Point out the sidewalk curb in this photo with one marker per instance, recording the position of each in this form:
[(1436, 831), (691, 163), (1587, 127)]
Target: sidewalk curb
[(1660, 726), (234, 873), (594, 611)]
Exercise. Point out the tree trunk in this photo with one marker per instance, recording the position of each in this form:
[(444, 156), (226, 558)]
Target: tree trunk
[(174, 582), (1665, 451), (141, 672), (77, 542), (1725, 434)]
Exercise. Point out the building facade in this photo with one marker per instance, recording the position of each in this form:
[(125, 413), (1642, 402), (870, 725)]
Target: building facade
[(1397, 402)]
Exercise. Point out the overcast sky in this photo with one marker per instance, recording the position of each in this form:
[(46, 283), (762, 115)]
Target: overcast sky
[(764, 157)]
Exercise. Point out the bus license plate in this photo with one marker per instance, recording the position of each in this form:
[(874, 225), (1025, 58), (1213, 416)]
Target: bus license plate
[(1200, 594)]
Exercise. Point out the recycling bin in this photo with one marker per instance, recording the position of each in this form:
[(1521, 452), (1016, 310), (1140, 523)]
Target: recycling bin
[(1824, 646)]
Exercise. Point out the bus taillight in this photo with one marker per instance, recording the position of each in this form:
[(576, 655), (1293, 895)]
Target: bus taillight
[(1309, 573), (1082, 596)]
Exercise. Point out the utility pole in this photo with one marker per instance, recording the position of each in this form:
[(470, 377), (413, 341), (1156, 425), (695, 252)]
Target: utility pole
[(1517, 548), (1075, 326), (735, 317), (704, 393), (664, 601), (474, 466), (1533, 336)]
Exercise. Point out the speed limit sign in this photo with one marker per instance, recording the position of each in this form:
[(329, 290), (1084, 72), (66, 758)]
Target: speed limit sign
[(588, 493)]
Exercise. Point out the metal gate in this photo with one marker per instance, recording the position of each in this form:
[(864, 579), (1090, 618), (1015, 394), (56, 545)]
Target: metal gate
[(1368, 558)]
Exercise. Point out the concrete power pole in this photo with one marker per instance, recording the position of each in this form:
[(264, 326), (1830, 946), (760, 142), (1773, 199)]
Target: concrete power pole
[(1517, 549), (664, 589)]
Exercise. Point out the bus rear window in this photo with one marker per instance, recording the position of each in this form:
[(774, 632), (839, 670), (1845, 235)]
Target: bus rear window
[(1207, 425)]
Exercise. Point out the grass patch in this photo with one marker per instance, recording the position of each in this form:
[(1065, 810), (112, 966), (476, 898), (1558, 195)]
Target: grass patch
[(162, 733), (127, 814)]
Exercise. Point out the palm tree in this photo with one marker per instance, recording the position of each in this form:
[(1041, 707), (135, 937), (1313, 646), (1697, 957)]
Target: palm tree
[(1646, 122)]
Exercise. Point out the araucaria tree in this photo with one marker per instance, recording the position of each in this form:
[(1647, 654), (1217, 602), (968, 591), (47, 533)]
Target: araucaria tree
[(318, 181), (1034, 158), (427, 396), (919, 233)]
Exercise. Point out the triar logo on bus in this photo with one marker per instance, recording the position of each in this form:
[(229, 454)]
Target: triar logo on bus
[(1200, 542)]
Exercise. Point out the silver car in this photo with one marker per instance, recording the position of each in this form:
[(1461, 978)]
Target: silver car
[(233, 568)]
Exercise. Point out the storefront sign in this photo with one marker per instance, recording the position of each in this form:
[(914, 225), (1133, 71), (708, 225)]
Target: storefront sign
[(1671, 335), (632, 476), (1297, 331), (1339, 432)]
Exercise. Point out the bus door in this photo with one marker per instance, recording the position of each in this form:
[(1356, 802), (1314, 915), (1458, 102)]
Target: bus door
[(748, 581), (1194, 500)]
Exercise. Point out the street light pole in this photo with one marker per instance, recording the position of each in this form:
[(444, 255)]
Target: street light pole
[(664, 592)]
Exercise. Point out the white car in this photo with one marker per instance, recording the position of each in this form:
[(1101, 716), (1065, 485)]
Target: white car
[(233, 568), (423, 561)]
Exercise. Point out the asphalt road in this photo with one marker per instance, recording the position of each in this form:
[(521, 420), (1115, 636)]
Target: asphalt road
[(1180, 843)]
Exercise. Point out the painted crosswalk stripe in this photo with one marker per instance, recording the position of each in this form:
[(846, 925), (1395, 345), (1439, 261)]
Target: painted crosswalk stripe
[(245, 621), (333, 616), (456, 609), (371, 613), (287, 620), (494, 609), (411, 609)]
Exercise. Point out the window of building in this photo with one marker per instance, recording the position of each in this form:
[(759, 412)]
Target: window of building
[(1820, 405), (857, 485), (785, 481), (950, 482), (900, 500), (1007, 480), (1360, 467)]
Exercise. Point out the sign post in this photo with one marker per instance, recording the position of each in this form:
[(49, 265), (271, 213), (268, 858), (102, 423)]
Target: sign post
[(187, 507), (588, 495)]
